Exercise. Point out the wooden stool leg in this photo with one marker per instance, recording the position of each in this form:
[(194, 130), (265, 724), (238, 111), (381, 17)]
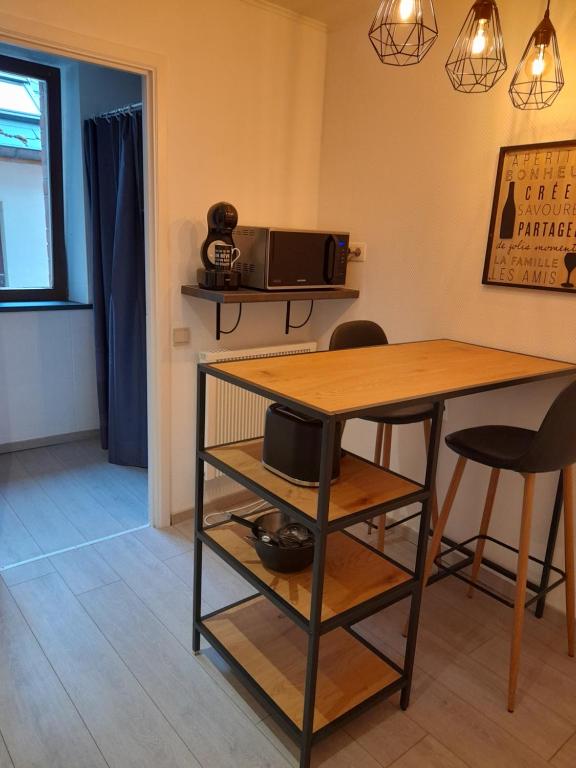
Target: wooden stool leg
[(488, 506), (434, 500), (520, 599), (386, 453), (569, 553), (434, 546)]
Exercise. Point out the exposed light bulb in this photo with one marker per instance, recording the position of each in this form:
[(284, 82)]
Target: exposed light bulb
[(538, 62), (539, 78), (406, 9), (479, 41), (478, 59), (403, 31)]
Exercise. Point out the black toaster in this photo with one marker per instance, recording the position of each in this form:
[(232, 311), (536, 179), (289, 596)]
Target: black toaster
[(292, 446)]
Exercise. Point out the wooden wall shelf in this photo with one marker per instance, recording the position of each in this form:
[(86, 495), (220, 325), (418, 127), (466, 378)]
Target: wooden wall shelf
[(251, 296)]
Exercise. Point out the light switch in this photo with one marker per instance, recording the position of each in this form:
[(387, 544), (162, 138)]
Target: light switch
[(180, 336)]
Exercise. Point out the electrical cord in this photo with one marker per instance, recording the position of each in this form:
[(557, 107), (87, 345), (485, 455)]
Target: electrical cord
[(237, 321), (301, 325), (248, 509)]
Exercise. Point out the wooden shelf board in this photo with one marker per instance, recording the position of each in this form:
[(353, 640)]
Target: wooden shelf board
[(252, 296), (349, 380), (273, 650), (353, 574), (361, 485)]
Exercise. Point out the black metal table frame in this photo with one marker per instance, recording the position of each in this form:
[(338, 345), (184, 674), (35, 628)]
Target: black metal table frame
[(321, 528)]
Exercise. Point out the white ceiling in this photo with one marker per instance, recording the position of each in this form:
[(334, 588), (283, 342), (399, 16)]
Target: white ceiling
[(316, 9), (331, 12)]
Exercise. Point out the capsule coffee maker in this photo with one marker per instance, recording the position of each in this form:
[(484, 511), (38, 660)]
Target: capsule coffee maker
[(218, 250)]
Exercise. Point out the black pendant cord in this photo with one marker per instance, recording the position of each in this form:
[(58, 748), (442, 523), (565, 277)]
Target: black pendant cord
[(301, 325)]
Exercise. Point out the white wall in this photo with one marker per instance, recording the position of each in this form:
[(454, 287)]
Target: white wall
[(103, 89), (409, 165), (47, 376)]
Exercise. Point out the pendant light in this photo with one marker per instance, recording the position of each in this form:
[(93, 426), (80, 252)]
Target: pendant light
[(539, 77), (403, 31), (478, 58)]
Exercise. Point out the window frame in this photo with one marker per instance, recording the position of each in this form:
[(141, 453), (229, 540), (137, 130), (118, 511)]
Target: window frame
[(59, 289)]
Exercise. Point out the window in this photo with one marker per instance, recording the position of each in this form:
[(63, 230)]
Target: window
[(32, 256)]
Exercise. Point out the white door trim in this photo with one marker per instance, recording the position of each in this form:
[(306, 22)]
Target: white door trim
[(152, 66)]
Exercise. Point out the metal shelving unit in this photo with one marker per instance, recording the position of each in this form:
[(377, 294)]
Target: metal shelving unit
[(293, 645)]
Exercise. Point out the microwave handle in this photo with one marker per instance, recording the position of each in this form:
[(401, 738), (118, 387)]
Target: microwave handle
[(329, 259)]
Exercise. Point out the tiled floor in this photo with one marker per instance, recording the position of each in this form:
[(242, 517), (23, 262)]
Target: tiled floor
[(64, 495), (96, 670)]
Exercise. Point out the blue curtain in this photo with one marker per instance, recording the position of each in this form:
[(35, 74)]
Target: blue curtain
[(114, 165)]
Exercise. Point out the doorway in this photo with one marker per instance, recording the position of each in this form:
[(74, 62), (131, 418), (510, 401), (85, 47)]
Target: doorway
[(58, 489)]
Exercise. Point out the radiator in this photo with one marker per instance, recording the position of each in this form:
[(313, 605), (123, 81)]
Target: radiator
[(233, 413)]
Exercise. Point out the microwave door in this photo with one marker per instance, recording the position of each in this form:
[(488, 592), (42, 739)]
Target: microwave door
[(300, 259)]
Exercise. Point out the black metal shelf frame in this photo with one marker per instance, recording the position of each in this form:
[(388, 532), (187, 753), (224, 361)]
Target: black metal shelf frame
[(275, 711), (348, 617), (310, 522), (321, 526)]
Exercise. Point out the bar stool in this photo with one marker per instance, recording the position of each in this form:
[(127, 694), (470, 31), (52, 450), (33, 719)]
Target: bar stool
[(551, 448), (365, 333)]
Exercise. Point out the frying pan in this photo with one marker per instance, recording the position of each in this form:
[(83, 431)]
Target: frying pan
[(281, 544)]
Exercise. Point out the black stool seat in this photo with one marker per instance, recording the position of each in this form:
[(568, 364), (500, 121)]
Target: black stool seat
[(409, 414), (495, 446)]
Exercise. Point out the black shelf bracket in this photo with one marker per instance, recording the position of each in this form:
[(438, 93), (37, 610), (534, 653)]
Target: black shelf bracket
[(219, 331), (288, 325)]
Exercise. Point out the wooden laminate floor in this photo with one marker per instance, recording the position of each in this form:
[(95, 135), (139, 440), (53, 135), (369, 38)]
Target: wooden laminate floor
[(96, 670), (64, 495)]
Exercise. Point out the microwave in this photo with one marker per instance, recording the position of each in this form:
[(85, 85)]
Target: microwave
[(280, 259)]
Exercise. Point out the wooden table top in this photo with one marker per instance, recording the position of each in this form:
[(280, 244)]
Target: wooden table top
[(345, 381)]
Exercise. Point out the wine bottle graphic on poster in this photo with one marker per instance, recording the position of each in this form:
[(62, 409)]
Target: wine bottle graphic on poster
[(508, 219)]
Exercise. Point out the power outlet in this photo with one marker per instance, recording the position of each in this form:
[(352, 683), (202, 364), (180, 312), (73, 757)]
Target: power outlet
[(357, 252)]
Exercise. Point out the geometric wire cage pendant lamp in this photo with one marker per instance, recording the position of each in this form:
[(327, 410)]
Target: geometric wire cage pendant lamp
[(539, 77), (478, 59), (403, 31)]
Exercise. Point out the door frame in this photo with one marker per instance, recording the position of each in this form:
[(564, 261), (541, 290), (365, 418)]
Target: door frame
[(152, 67)]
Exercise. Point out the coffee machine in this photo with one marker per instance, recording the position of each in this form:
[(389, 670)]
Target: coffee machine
[(222, 219)]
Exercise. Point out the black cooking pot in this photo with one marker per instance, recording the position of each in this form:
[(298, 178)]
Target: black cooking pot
[(281, 544)]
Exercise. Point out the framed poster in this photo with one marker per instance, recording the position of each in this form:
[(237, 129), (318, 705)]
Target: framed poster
[(532, 238)]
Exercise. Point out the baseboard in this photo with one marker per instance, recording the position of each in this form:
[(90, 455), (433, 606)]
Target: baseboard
[(215, 505), (43, 442)]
